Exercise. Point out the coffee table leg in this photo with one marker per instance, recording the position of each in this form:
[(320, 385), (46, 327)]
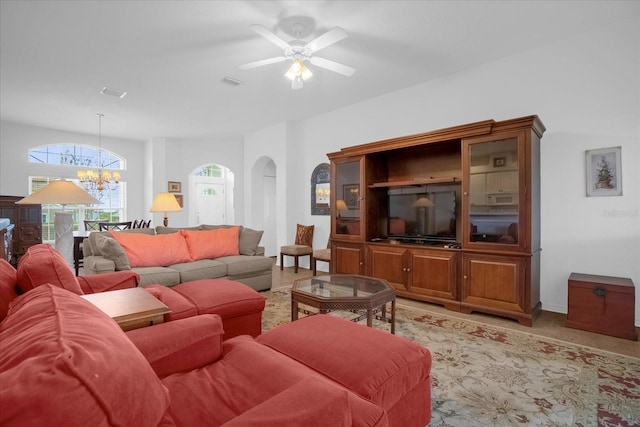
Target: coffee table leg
[(393, 316), (294, 310), (369, 318)]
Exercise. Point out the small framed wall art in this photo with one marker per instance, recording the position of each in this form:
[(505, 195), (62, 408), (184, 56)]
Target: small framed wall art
[(604, 172), (175, 187), (180, 199)]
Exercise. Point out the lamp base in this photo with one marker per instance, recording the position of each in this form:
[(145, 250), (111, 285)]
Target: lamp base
[(63, 227)]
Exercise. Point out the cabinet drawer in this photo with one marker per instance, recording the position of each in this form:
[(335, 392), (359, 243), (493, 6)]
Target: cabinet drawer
[(602, 304)]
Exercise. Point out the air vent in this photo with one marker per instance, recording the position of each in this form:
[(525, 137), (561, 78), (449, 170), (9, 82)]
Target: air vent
[(113, 92), (231, 81)]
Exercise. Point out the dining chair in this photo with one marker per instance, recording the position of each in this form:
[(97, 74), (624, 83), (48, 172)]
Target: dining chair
[(303, 246), (106, 226)]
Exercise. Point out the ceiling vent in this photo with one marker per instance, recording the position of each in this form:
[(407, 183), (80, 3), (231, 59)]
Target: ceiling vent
[(112, 92), (231, 81)]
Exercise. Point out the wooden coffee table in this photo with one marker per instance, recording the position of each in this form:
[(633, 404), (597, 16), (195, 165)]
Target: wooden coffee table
[(131, 308), (345, 292)]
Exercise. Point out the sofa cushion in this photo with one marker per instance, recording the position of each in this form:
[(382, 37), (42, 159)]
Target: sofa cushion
[(145, 250), (180, 306), (242, 265), (109, 248), (249, 241), (163, 275), (248, 366), (324, 405), (202, 269), (211, 244), (43, 264), (182, 345), (169, 230), (8, 282), (393, 365), (64, 362), (221, 296)]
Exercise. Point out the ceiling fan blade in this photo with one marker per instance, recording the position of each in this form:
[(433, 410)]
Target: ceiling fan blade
[(327, 39), (333, 66), (269, 36), (262, 62)]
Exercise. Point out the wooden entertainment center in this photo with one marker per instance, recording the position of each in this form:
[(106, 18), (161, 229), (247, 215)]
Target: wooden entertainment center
[(480, 253)]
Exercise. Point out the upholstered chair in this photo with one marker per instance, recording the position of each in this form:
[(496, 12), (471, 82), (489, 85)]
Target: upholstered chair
[(321, 255), (302, 247)]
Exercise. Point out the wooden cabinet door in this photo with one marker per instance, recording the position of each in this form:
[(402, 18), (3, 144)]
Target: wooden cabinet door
[(433, 273), (495, 283), (388, 263), (347, 258)]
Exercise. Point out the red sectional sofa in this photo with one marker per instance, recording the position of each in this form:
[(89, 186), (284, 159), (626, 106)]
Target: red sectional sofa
[(239, 306), (65, 362)]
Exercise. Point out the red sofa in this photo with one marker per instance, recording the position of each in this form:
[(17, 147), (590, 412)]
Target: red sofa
[(239, 306), (64, 362)]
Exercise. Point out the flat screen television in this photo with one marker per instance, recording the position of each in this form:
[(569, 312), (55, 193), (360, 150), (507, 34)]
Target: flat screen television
[(416, 213)]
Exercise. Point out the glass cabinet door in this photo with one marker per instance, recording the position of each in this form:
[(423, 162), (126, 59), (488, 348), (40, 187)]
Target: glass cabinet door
[(493, 196), (346, 198)]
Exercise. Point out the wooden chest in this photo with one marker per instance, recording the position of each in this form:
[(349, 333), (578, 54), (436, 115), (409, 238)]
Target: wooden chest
[(602, 304)]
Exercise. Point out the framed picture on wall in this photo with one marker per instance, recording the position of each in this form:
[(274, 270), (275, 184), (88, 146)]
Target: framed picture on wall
[(175, 187), (604, 172), (180, 199)]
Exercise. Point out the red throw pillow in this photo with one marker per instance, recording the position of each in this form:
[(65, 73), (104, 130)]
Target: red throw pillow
[(145, 250), (8, 280), (43, 264), (211, 244), (66, 363)]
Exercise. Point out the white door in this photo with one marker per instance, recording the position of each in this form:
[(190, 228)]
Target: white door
[(210, 203)]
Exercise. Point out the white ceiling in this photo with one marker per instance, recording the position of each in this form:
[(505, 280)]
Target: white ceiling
[(171, 57)]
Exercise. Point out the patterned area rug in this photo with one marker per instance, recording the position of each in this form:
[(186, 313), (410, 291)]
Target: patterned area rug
[(489, 376)]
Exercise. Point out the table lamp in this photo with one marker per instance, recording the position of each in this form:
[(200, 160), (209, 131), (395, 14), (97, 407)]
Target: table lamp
[(165, 202), (341, 206), (61, 192), (422, 204)]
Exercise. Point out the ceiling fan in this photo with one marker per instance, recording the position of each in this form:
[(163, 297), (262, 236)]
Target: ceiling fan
[(298, 51)]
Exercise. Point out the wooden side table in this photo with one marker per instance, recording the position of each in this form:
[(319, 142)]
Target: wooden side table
[(131, 308), (602, 304)]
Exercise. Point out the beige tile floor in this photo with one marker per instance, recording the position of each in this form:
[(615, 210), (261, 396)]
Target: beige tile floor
[(548, 324)]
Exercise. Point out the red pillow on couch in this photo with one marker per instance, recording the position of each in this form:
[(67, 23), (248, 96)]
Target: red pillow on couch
[(8, 280), (64, 362), (43, 264)]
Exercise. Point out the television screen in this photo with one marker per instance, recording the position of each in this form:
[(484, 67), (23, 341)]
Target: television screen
[(421, 214)]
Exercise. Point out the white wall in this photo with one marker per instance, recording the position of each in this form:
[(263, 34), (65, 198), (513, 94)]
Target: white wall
[(586, 91)]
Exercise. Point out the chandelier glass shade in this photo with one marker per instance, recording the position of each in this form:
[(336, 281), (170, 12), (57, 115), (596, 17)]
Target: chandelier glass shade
[(298, 73), (99, 180)]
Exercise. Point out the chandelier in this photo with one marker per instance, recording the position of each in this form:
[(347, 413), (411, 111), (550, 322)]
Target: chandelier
[(99, 180)]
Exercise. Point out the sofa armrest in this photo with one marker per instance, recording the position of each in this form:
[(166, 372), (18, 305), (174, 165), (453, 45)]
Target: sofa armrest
[(97, 264), (94, 283), (312, 401), (181, 345)]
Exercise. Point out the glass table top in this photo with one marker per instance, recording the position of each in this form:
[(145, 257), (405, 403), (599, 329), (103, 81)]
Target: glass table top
[(340, 285)]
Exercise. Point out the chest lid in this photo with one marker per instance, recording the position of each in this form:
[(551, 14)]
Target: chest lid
[(622, 285)]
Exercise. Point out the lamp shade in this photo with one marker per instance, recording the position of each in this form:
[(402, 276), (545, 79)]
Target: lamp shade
[(422, 202), (165, 202), (60, 192), (341, 205)]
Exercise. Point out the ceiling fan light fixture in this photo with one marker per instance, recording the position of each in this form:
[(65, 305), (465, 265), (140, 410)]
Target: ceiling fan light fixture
[(298, 69)]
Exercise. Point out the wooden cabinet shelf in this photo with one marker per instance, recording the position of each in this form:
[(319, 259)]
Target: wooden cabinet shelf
[(417, 182), (492, 170)]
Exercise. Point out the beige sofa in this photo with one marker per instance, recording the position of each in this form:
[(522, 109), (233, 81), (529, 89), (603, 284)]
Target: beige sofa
[(104, 254)]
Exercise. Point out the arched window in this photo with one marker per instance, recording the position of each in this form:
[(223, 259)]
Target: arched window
[(112, 207)]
